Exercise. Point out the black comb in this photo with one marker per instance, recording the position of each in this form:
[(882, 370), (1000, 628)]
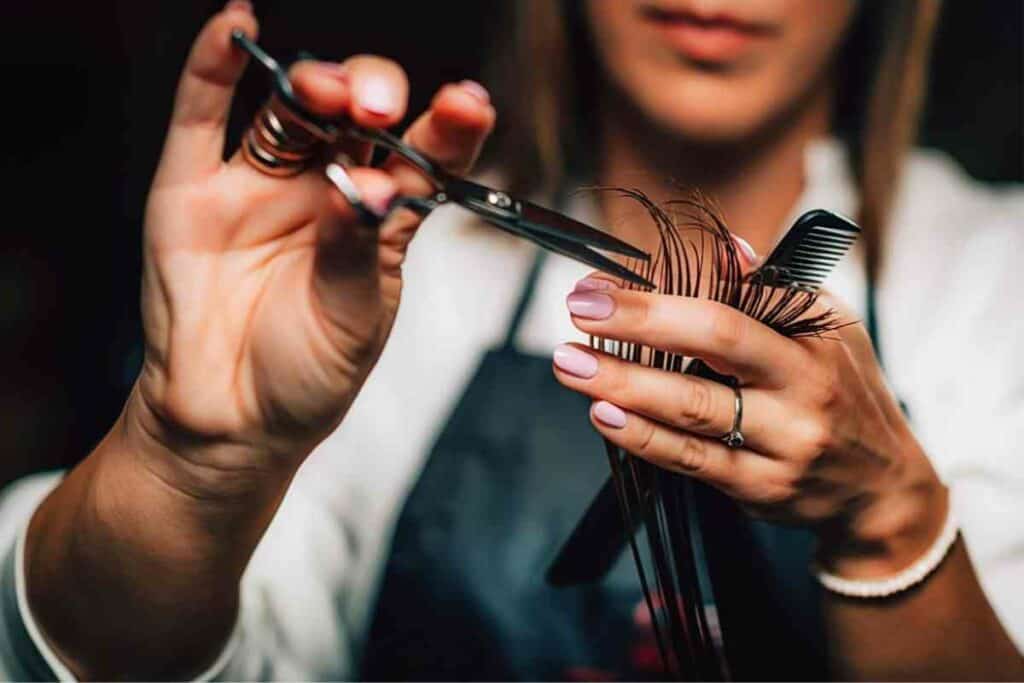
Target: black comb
[(809, 250), (803, 258)]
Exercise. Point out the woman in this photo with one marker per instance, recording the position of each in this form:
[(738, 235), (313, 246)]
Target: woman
[(267, 303)]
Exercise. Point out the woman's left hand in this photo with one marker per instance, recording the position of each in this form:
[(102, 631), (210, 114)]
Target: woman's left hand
[(826, 443)]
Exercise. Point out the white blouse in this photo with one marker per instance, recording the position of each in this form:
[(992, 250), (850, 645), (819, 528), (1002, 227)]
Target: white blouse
[(951, 321)]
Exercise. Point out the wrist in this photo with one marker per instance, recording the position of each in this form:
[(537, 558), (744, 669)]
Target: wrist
[(890, 528), (156, 545), (215, 470), (146, 498)]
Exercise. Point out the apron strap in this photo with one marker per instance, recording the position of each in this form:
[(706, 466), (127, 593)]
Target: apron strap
[(871, 319), (525, 296), (560, 200), (871, 323)]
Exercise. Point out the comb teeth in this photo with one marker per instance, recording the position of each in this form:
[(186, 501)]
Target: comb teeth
[(810, 250)]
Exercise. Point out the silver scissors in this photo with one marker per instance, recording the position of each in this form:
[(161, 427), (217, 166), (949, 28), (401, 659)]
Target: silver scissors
[(547, 228)]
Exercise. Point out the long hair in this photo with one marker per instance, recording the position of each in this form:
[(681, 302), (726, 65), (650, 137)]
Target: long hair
[(544, 82)]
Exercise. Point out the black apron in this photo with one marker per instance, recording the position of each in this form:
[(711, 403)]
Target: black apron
[(463, 595)]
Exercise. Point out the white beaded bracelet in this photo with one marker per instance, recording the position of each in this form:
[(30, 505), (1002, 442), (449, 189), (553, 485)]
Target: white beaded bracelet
[(909, 577)]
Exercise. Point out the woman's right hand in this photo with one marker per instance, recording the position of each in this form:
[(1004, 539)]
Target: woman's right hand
[(265, 304), (265, 301)]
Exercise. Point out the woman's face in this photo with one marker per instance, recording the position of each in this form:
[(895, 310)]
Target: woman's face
[(717, 70)]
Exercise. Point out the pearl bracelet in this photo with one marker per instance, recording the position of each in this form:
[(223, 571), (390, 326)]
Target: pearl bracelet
[(908, 578)]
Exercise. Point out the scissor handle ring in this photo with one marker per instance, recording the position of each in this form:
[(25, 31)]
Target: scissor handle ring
[(326, 130)]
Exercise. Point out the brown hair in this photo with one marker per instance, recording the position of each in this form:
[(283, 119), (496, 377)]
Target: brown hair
[(544, 79)]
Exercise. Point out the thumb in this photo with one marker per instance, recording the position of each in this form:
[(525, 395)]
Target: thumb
[(195, 139)]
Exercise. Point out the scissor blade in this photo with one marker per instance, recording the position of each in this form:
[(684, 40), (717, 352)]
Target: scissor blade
[(577, 252), (597, 541), (559, 225), (492, 203)]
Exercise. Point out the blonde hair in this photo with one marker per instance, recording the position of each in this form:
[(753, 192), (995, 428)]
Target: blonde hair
[(540, 78)]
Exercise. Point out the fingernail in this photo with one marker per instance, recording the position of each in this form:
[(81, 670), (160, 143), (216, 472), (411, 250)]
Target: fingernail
[(380, 205), (590, 305), (609, 414), (243, 5), (377, 97), (476, 90), (748, 251), (574, 361), (589, 284)]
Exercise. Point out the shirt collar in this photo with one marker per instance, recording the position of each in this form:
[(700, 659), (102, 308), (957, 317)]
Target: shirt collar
[(829, 184)]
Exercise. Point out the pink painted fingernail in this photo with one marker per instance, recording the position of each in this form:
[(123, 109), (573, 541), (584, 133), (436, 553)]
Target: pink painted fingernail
[(574, 361), (476, 90), (380, 204), (243, 5), (592, 305), (610, 414), (589, 284), (376, 96), (746, 250)]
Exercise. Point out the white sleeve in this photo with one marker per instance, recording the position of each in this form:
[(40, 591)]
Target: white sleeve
[(294, 622), (24, 655), (289, 625), (968, 410)]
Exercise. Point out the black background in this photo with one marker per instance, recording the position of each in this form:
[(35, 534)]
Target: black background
[(87, 93)]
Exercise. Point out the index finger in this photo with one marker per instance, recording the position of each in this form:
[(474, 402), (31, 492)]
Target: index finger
[(729, 340), (451, 133), (369, 90)]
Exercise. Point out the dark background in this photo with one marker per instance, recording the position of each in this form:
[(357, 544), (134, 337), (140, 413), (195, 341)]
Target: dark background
[(88, 92)]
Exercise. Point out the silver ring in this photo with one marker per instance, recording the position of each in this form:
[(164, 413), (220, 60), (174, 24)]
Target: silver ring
[(734, 437)]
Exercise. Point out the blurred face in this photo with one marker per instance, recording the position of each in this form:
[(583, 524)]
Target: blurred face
[(717, 70)]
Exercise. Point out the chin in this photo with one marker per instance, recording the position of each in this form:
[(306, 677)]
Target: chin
[(702, 126), (703, 109)]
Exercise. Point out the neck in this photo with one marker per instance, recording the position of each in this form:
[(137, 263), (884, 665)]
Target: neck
[(755, 183)]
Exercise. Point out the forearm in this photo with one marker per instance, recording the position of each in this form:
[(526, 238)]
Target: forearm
[(133, 563), (944, 629)]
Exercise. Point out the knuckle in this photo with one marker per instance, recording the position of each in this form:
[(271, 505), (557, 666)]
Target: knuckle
[(639, 314), (855, 332), (645, 441), (816, 437), (692, 455), (614, 380), (828, 387), (377, 63), (697, 409), (814, 508), (780, 489), (726, 328), (777, 494)]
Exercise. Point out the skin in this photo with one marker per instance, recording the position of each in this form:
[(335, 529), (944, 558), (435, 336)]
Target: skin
[(827, 445), (737, 127), (265, 305)]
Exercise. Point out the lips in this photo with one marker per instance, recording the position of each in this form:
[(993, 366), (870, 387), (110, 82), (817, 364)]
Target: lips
[(712, 38)]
